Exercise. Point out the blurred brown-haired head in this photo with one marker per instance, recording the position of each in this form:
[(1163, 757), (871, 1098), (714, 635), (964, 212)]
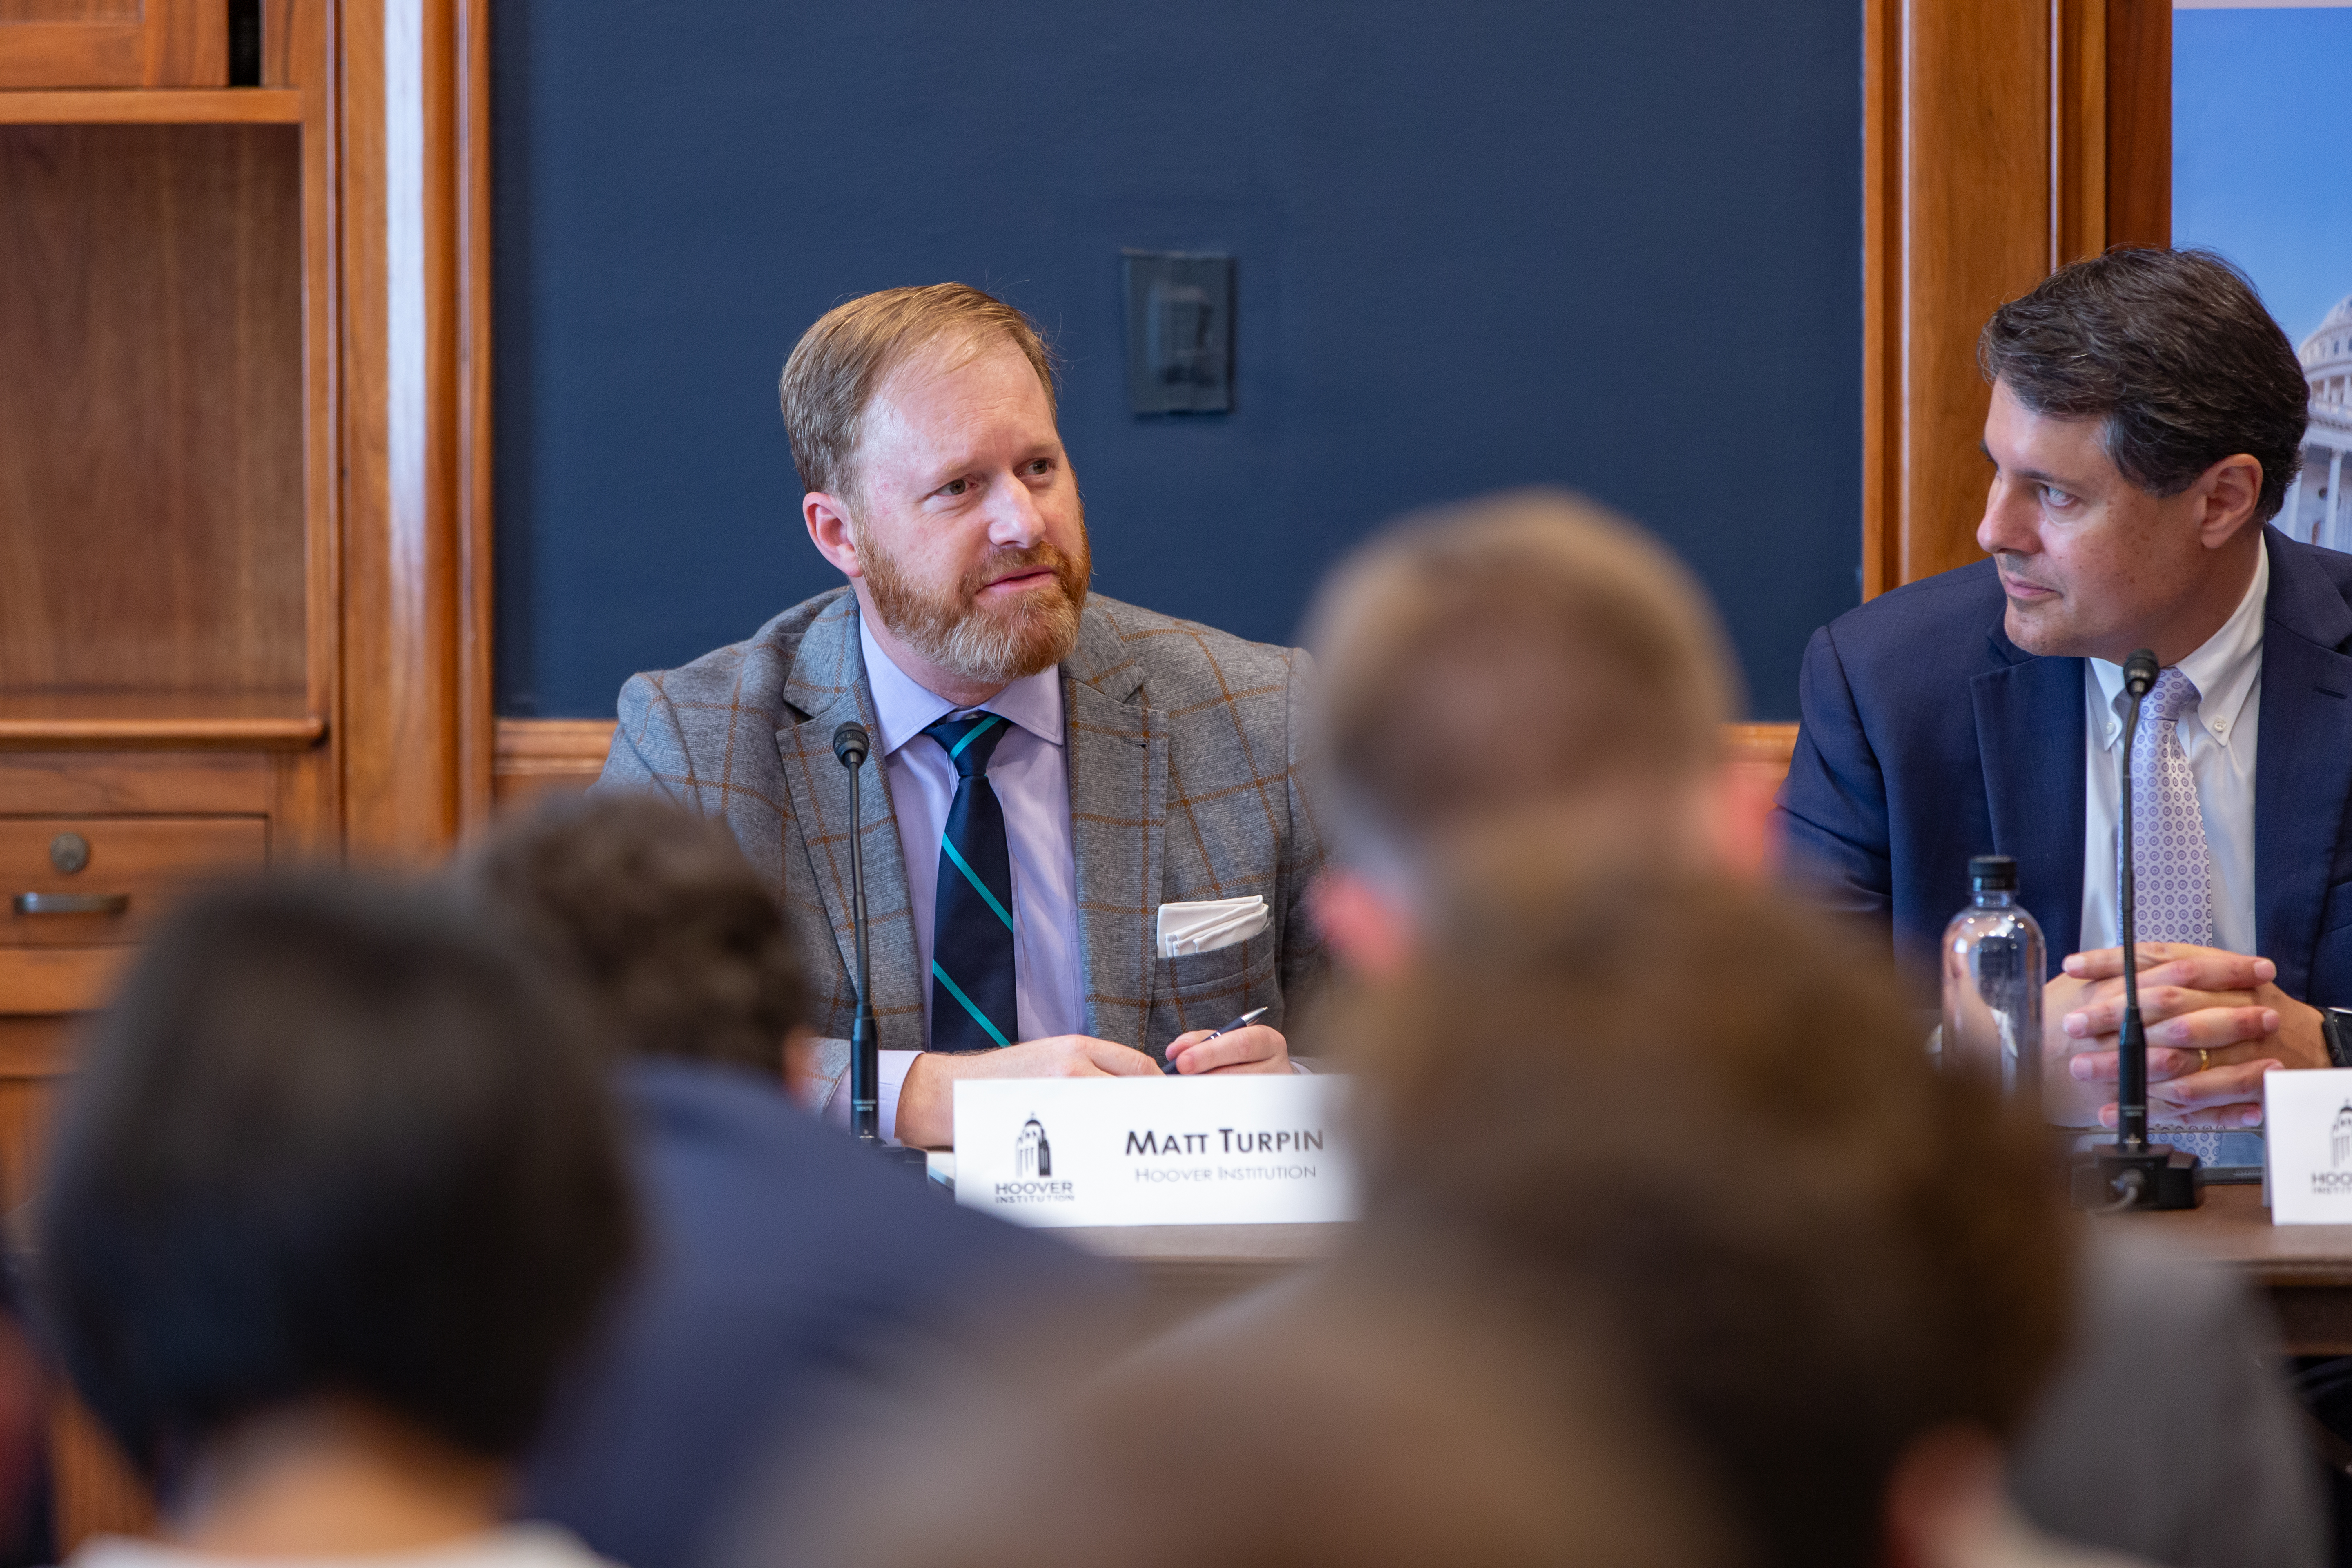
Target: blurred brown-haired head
[(1710, 1113), (1356, 1424), (1524, 647), (657, 913)]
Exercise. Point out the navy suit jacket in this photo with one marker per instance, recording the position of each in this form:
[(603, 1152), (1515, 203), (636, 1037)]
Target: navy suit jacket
[(783, 1268), (1929, 737)]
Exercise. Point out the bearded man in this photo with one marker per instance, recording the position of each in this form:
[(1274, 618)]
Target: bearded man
[(1051, 770)]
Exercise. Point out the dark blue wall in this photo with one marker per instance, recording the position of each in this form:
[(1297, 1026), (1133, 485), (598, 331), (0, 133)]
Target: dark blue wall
[(1606, 245)]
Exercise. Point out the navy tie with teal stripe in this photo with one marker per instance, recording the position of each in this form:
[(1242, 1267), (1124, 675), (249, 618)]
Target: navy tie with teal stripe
[(971, 924)]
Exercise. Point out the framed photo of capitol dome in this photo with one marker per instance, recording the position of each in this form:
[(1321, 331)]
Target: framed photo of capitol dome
[(2260, 115)]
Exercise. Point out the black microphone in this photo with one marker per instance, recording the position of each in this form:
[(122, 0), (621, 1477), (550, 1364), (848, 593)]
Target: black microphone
[(850, 746), (2131, 1072), (2134, 1173)]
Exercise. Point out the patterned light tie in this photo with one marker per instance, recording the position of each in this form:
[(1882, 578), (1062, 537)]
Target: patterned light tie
[(2174, 864), (2175, 870), (972, 1004)]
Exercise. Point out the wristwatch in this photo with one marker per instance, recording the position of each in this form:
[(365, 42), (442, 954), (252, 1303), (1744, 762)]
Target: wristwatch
[(2336, 1029)]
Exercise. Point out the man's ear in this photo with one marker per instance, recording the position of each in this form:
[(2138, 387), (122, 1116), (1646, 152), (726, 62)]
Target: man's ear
[(828, 528), (2230, 490), (799, 1063), (1369, 932), (1739, 806), (1943, 1496)]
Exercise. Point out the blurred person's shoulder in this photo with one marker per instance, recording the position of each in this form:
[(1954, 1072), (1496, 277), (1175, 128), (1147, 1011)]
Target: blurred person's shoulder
[(510, 1546), (731, 1163)]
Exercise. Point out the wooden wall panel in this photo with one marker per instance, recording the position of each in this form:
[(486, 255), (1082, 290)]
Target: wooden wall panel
[(1956, 218), (476, 697), (2140, 121), (2002, 138), (538, 758)]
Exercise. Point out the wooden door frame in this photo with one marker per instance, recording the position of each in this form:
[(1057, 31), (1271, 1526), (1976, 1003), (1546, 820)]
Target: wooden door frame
[(2001, 139), (414, 133)]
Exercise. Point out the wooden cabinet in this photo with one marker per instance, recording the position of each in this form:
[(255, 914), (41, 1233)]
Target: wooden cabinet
[(114, 43), (243, 532)]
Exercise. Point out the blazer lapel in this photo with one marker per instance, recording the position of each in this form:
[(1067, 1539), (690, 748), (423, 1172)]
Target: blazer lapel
[(2029, 735), (2305, 755), (828, 684), (1117, 759)]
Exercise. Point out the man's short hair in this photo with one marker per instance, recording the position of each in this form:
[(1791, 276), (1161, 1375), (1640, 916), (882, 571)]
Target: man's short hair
[(332, 1139), (2174, 350), (655, 913), (840, 362), (1484, 657), (1706, 1113), (1358, 1422)]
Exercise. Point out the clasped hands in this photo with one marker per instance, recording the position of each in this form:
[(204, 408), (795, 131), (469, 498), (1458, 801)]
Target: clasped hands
[(2215, 1023), (926, 1098)]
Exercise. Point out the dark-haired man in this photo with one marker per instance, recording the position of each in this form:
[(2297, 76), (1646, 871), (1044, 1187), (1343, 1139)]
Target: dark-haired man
[(785, 1270), (1086, 837), (2146, 422)]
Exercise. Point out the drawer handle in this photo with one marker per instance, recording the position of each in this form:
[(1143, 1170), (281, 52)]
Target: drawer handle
[(72, 903)]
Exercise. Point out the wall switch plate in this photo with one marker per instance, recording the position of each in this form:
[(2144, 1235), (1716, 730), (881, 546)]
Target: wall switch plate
[(1180, 333)]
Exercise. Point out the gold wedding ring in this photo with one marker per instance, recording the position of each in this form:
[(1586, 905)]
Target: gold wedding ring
[(2204, 1061)]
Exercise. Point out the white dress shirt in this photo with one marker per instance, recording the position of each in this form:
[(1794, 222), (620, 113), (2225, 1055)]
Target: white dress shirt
[(2220, 739), (1030, 773)]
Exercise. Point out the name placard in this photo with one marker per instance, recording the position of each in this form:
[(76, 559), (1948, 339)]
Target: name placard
[(2309, 1172), (1243, 1149)]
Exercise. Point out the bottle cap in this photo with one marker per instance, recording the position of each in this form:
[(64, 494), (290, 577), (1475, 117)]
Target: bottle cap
[(1992, 874)]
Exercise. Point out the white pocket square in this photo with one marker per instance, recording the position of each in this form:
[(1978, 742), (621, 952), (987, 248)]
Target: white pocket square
[(1208, 924)]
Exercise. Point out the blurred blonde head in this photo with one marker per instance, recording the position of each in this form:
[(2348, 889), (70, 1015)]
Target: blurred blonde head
[(1528, 657)]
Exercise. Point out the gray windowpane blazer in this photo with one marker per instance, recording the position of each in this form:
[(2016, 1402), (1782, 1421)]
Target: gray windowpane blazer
[(1185, 783)]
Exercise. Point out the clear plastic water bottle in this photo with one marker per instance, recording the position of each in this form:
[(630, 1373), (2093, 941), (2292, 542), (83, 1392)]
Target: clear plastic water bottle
[(1994, 964)]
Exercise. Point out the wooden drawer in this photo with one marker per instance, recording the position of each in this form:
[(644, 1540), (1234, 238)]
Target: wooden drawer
[(146, 861)]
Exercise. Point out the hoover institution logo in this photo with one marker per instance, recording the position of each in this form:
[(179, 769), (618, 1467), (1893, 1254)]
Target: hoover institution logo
[(1032, 1170), (2336, 1182), (1032, 1156)]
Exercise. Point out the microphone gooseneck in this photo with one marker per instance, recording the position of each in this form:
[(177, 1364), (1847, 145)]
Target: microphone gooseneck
[(851, 746), (2131, 1173), (2131, 1062)]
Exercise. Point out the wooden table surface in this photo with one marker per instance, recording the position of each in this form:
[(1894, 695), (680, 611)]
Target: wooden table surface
[(2305, 1269)]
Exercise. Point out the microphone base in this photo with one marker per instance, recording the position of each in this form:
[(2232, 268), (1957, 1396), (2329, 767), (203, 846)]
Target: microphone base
[(2156, 1178)]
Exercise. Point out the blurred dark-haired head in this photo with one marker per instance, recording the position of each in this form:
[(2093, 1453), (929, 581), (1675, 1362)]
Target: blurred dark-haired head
[(334, 1140), (654, 911), (1710, 1115)]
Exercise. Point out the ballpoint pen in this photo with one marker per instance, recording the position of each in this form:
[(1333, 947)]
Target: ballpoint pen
[(1244, 1022)]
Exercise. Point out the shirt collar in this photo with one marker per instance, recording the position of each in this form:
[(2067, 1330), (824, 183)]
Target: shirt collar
[(2222, 669), (904, 708)]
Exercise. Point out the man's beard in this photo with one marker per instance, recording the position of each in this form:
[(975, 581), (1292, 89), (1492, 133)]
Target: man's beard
[(992, 647)]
